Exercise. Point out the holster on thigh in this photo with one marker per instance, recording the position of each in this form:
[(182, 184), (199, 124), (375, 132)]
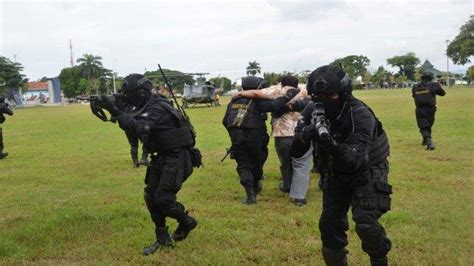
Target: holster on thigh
[(375, 194)]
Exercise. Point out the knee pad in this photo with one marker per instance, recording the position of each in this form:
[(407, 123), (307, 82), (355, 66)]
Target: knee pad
[(373, 239)]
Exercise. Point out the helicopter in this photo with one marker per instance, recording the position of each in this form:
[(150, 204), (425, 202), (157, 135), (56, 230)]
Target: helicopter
[(203, 92)]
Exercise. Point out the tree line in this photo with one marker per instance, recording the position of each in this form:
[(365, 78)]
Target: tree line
[(91, 77)]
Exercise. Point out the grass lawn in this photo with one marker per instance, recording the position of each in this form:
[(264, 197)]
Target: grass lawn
[(69, 193)]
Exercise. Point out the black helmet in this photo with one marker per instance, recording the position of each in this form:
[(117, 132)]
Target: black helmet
[(254, 83), (427, 75), (329, 79), (136, 89)]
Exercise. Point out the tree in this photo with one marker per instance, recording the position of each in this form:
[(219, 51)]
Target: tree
[(272, 77), (83, 87), (253, 68), (406, 63), (176, 78), (10, 75), (353, 65), (470, 74), (380, 76), (69, 78), (225, 82), (91, 66), (462, 47)]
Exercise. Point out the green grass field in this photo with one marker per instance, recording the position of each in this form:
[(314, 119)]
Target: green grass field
[(70, 195)]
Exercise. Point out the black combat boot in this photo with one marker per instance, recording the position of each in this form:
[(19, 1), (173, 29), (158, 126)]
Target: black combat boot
[(429, 144), (3, 154), (335, 257), (250, 198), (144, 161), (163, 239), (378, 261), (185, 226)]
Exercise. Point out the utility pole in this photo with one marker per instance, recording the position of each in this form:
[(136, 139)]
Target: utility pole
[(113, 81), (70, 52), (447, 61)]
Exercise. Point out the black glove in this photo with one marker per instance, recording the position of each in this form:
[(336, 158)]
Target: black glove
[(298, 106), (5, 109), (308, 132), (292, 93), (111, 107), (2, 118)]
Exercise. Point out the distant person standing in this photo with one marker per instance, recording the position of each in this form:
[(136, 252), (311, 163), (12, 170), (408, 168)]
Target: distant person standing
[(4, 109), (424, 94)]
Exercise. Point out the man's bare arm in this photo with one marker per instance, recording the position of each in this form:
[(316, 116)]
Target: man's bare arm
[(254, 94)]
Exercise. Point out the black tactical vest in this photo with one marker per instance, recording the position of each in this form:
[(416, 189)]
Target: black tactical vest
[(379, 149), (179, 137), (423, 95), (253, 118)]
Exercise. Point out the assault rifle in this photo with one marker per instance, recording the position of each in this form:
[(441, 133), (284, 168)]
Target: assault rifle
[(319, 119), (99, 102)]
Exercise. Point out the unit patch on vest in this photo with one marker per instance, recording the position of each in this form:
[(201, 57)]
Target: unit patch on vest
[(239, 106), (422, 91)]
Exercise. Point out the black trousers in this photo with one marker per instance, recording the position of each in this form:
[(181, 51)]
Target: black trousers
[(368, 194), (1, 140), (134, 142), (425, 118), (249, 148), (163, 181)]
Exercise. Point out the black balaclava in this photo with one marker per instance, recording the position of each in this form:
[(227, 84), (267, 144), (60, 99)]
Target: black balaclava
[(136, 89)]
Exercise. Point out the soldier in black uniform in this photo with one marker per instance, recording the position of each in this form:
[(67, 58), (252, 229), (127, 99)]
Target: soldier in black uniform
[(352, 149), (424, 94), (245, 122), (134, 145), (4, 109), (170, 138)]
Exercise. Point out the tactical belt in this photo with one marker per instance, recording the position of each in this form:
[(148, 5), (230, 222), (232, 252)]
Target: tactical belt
[(175, 138)]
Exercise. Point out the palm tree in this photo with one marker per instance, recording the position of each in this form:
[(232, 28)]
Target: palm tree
[(253, 68), (91, 66)]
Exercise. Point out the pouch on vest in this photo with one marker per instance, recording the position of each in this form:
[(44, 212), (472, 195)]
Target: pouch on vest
[(196, 157), (242, 112), (175, 138)]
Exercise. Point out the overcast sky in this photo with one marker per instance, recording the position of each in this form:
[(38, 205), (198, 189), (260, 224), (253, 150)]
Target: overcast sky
[(221, 37)]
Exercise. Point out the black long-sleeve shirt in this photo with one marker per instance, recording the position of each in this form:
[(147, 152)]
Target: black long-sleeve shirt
[(353, 132)]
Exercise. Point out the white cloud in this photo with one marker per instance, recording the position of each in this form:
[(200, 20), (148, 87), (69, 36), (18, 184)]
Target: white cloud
[(215, 36)]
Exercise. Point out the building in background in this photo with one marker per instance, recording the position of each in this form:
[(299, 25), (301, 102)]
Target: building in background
[(42, 92), (427, 66)]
